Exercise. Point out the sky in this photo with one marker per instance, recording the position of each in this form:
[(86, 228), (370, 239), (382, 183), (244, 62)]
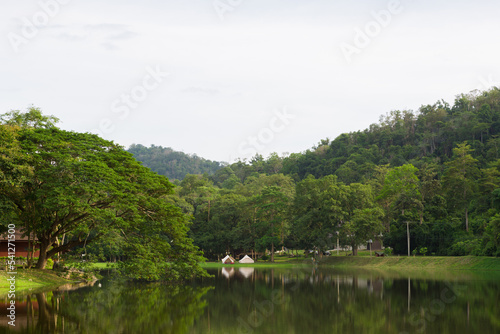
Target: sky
[(226, 79)]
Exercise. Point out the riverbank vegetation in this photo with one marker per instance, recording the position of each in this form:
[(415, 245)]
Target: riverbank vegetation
[(70, 189), (426, 182), (423, 182), (31, 279), (414, 263)]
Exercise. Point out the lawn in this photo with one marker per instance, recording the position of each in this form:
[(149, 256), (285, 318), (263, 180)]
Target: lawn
[(31, 279), (364, 260)]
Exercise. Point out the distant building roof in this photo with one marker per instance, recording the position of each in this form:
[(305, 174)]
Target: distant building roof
[(19, 236)]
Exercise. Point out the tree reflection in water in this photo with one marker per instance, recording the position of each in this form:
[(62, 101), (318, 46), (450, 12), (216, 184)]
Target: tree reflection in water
[(272, 300), (322, 300), (113, 307)]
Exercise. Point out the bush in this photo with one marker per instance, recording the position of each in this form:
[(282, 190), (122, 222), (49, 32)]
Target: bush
[(423, 251), (467, 247), (50, 264), (22, 261), (264, 258), (388, 251)]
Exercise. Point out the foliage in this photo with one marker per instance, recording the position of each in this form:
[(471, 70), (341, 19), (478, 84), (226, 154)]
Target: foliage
[(436, 169), (71, 189), (422, 251)]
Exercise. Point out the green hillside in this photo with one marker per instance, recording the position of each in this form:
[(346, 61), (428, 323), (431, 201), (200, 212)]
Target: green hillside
[(172, 164), (434, 171)]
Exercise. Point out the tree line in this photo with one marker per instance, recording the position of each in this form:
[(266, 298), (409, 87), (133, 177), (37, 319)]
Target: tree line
[(427, 182)]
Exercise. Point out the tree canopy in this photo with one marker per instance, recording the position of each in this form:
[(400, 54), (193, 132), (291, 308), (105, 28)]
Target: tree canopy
[(434, 171), (70, 188), (427, 179)]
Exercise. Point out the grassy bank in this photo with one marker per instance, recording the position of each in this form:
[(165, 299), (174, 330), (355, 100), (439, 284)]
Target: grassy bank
[(281, 261), (416, 263), (260, 264), (392, 262), (31, 279)]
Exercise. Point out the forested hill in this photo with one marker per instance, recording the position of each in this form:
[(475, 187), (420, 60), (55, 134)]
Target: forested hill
[(427, 135), (427, 180), (172, 164)]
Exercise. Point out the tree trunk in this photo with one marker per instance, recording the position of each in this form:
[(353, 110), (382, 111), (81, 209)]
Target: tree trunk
[(272, 242), (42, 258), (354, 250), (272, 251), (30, 255), (467, 219), (208, 218), (62, 243)]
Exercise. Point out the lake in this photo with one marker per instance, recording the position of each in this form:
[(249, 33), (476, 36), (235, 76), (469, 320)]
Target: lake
[(269, 300)]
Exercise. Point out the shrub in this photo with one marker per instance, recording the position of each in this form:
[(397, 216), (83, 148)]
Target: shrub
[(423, 251), (467, 247), (50, 264)]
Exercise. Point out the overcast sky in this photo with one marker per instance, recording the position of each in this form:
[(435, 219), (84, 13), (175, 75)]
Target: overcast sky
[(228, 78)]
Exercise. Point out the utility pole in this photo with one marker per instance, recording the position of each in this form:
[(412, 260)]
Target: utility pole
[(337, 232), (408, 235)]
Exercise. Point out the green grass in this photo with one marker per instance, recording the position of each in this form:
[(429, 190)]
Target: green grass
[(418, 262), (35, 279), (31, 279), (279, 261), (103, 265), (363, 260)]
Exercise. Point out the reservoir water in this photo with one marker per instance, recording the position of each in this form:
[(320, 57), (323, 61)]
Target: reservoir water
[(269, 300)]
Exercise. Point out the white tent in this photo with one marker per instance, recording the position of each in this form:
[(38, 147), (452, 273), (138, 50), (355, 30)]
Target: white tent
[(228, 260), (246, 259)]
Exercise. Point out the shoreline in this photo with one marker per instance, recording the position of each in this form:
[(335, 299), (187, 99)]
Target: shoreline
[(480, 263), (31, 279), (474, 263)]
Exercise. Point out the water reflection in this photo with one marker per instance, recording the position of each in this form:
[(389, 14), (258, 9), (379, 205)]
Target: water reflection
[(246, 272), (228, 272), (273, 300), (108, 307), (312, 300)]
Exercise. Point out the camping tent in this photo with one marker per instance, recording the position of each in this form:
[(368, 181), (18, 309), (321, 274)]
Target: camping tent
[(246, 259), (228, 260)]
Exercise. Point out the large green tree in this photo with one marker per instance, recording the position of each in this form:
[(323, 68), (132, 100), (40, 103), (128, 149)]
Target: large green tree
[(363, 218), (401, 188), (272, 206), (58, 182), (317, 211), (460, 180)]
